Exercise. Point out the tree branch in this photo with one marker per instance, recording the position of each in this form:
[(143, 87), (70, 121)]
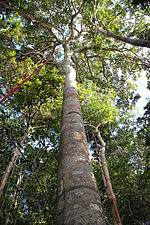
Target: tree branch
[(49, 28), (73, 17), (135, 42), (3, 30)]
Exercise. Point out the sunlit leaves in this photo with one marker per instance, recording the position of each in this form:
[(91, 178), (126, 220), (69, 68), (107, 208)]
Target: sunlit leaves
[(101, 105)]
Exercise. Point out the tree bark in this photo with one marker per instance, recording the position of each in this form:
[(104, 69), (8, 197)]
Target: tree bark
[(78, 200)]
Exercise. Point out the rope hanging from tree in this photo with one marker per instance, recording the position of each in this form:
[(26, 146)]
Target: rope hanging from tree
[(24, 14), (24, 60), (23, 76), (27, 78)]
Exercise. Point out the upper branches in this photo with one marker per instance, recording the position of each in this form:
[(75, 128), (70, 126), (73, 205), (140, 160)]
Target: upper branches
[(52, 30), (73, 28), (99, 20)]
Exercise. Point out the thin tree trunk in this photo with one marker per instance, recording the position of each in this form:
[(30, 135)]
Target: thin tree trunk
[(78, 200), (15, 196), (108, 181), (12, 163), (103, 144), (16, 192)]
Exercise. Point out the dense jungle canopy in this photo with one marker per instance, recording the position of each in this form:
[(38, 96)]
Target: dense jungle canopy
[(110, 41)]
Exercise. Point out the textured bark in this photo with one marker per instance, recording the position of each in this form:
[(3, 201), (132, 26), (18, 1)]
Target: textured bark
[(12, 163), (78, 200)]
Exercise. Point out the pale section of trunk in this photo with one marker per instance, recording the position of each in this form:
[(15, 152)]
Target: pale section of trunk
[(12, 163), (78, 201), (16, 192)]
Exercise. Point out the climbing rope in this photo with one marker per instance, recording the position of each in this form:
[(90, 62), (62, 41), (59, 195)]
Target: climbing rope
[(21, 77), (24, 60), (24, 14), (27, 78)]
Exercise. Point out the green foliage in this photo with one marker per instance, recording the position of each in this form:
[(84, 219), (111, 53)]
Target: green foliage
[(102, 106)]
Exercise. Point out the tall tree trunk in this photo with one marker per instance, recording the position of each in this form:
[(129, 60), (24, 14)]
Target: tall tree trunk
[(78, 200), (12, 162)]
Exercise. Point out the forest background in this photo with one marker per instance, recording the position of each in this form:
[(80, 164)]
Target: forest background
[(110, 44)]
